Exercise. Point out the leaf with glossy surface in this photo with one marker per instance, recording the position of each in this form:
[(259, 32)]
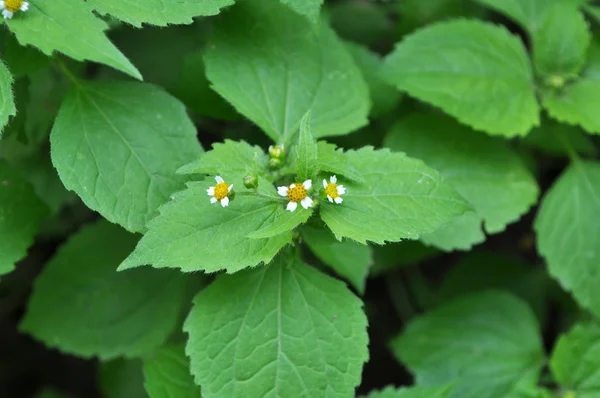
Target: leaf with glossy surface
[(118, 145), (568, 234), (72, 29), (487, 344), (401, 198), (477, 72), (21, 213), (167, 374), (275, 88), (348, 259), (192, 234), (482, 169), (277, 331), (159, 12), (96, 311)]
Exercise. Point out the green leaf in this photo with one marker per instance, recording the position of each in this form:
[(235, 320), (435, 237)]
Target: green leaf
[(528, 13), (274, 67), (192, 234), (280, 331), (159, 12), (284, 221), (576, 359), (412, 392), (72, 29), (593, 11), (235, 157), (561, 43), (167, 374), (550, 138), (21, 60), (21, 213), (401, 198), (348, 259), (477, 72), (118, 145), (306, 152), (568, 234), (309, 8), (92, 310), (395, 255), (483, 169), (383, 95), (122, 378), (335, 161), (488, 344), (7, 100)]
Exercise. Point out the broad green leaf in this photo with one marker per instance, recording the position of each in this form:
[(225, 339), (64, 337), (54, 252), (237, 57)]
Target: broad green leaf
[(121, 378), (375, 24), (72, 29), (528, 13), (417, 13), (560, 44), (159, 12), (396, 255), (283, 330), (192, 234), (21, 60), (576, 359), (483, 169), (348, 259), (568, 234), (283, 222), (167, 374), (462, 233), (7, 101), (306, 152), (383, 95), (550, 138), (487, 344), (401, 198), (118, 145), (274, 67), (309, 8), (335, 161), (82, 306), (477, 72), (411, 392), (21, 213)]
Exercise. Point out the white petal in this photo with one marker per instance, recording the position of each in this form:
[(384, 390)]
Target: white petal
[(211, 191), (213, 200), (282, 191), (329, 198), (306, 202), (7, 14), (230, 188), (324, 183), (333, 179), (25, 6), (338, 200), (219, 179), (341, 190), (225, 201), (307, 184), (292, 186), (292, 206), (2, 6)]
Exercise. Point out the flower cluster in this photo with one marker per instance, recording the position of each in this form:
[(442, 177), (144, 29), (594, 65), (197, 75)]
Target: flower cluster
[(9, 7)]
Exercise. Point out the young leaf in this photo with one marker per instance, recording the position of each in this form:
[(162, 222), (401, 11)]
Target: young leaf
[(159, 12), (483, 169), (401, 198), (348, 259), (309, 8), (118, 145), (97, 311), (192, 234), (528, 13), (335, 161), (306, 152), (167, 374), (230, 156), (576, 360), (477, 72), (7, 101), (277, 330), (317, 75), (72, 29), (485, 343), (560, 44), (568, 234), (412, 392), (383, 95), (21, 213)]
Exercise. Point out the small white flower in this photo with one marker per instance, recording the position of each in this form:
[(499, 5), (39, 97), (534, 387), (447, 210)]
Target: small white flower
[(334, 191), (297, 193), (9, 7), (220, 192)]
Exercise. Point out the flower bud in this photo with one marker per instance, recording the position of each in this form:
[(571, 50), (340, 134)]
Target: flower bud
[(251, 181), (275, 164), (277, 152)]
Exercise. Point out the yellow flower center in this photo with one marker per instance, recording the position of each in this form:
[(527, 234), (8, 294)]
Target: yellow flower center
[(13, 5), (221, 190), (331, 190), (297, 193)]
